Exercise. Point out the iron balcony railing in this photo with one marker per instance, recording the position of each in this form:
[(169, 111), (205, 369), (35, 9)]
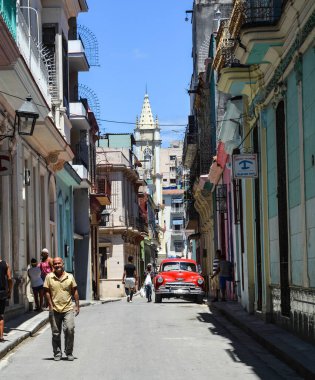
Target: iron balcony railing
[(81, 155), (254, 12), (177, 210), (32, 55)]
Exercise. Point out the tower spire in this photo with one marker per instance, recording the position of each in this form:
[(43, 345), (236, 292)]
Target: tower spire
[(146, 120)]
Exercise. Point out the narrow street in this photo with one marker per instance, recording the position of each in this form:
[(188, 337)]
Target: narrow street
[(173, 340)]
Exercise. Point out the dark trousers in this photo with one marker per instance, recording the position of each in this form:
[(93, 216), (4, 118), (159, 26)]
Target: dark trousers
[(148, 291)]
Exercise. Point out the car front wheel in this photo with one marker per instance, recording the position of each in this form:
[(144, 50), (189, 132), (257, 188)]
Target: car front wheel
[(158, 298), (199, 299)]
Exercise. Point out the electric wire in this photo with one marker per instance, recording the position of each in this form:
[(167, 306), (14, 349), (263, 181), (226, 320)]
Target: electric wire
[(118, 121)]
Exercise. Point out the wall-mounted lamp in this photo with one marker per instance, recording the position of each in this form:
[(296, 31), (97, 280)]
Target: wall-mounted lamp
[(25, 117), (186, 18), (105, 216), (27, 177)]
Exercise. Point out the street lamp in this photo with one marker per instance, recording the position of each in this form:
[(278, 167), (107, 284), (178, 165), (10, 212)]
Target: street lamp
[(105, 217), (25, 117)]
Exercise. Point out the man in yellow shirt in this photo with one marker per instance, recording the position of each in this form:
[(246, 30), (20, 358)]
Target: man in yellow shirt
[(59, 288)]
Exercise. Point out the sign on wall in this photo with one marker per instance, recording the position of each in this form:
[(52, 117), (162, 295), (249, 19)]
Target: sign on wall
[(245, 166), (5, 163)]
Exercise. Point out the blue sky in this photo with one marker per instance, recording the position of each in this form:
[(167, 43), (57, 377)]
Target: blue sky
[(141, 43)]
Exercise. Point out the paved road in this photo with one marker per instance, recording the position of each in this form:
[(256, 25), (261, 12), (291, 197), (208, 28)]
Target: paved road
[(175, 340)]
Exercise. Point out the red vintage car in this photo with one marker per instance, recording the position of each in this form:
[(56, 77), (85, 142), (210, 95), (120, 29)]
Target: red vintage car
[(179, 278)]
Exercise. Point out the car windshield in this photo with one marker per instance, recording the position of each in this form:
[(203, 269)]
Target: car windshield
[(190, 267)]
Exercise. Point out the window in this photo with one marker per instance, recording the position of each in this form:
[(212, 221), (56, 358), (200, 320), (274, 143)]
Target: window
[(178, 246), (173, 180), (172, 158), (103, 264)]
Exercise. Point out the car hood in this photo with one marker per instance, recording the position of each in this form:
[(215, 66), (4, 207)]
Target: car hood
[(175, 276)]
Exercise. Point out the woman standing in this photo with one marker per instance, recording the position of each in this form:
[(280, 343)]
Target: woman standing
[(148, 282), (46, 263), (34, 274)]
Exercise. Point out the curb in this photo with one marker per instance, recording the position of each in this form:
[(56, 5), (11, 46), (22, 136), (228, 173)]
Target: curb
[(280, 350), (29, 328), (24, 331)]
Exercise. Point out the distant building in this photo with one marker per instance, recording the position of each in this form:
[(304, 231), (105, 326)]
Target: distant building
[(148, 146), (174, 242), (121, 226)]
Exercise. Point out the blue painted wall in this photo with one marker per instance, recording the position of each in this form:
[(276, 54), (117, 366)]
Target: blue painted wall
[(65, 226), (309, 153)]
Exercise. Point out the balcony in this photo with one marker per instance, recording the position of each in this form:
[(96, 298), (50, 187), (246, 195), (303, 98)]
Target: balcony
[(253, 13), (82, 172), (81, 155), (79, 116), (190, 142), (177, 210), (77, 57), (101, 190), (192, 216), (33, 56), (180, 232), (112, 158)]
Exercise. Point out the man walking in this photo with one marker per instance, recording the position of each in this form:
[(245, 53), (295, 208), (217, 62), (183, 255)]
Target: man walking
[(225, 272), (130, 278), (59, 288), (214, 280), (5, 292)]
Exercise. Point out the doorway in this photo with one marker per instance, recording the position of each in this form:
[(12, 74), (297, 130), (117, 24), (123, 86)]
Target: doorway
[(282, 209)]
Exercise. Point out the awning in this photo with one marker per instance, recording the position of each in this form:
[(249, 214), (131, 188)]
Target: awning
[(177, 200), (229, 127), (204, 183), (215, 173), (222, 156), (77, 236), (177, 222)]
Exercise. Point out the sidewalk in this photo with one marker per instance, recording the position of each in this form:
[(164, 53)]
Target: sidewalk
[(26, 325), (295, 352)]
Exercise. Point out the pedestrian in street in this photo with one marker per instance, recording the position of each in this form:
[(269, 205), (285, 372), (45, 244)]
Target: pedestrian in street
[(5, 292), (34, 274), (148, 282), (225, 272), (46, 264), (130, 278), (215, 280), (60, 287)]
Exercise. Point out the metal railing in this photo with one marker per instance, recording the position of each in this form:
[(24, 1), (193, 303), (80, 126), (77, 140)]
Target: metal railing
[(32, 55), (254, 12), (112, 158), (178, 210), (81, 155)]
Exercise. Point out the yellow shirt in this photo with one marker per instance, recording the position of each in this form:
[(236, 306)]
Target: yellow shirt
[(61, 291)]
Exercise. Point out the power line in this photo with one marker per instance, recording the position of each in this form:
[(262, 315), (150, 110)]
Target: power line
[(18, 97), (117, 121)]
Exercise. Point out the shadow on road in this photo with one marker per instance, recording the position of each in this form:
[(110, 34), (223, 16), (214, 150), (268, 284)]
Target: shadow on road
[(14, 323), (244, 349)]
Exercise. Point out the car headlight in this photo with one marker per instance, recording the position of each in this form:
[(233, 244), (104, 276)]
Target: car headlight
[(200, 281), (159, 280)]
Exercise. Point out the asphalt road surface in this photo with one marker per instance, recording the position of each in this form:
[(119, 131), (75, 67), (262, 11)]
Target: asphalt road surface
[(174, 340)]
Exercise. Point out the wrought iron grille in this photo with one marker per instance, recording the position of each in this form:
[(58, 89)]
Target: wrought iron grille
[(221, 199)]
